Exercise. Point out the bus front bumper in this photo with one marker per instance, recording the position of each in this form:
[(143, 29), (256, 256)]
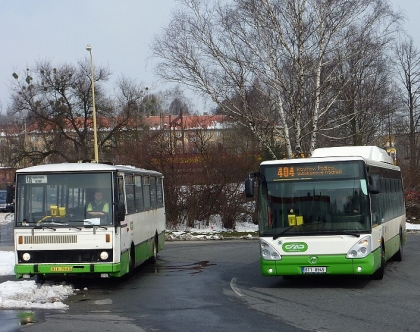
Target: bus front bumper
[(320, 265), (30, 270)]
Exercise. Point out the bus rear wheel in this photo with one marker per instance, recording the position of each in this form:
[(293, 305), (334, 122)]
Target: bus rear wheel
[(153, 259)]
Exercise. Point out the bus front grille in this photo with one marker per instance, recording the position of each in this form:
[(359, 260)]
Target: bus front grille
[(46, 239)]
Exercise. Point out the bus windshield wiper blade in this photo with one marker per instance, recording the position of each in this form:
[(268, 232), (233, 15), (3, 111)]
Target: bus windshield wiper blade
[(282, 232), (344, 233), (296, 233), (71, 226), (44, 226)]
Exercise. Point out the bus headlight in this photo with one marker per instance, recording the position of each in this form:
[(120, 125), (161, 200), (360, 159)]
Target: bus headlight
[(361, 249), (268, 252), (103, 255), (26, 256)]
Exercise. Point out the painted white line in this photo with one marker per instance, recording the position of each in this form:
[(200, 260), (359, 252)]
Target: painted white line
[(235, 288)]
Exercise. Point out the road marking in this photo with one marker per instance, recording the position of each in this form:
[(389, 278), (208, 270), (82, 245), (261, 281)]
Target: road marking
[(235, 288)]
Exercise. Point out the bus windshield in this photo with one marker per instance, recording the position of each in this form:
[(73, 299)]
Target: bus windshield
[(64, 199), (313, 206)]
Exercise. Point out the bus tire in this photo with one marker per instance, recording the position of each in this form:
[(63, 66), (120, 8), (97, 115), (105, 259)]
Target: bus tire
[(39, 279), (131, 262), (399, 254), (153, 259), (379, 273)]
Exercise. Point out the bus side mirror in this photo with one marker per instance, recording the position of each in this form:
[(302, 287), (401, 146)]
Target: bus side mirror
[(249, 187), (120, 212), (374, 184)]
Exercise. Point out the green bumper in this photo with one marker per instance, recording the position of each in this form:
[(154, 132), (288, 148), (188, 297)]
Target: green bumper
[(112, 269), (334, 264)]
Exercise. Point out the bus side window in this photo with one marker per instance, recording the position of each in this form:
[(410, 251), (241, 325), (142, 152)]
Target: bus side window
[(138, 193), (129, 192), (153, 198), (159, 192), (146, 192)]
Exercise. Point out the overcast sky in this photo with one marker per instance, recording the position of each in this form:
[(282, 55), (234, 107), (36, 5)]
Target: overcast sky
[(120, 33)]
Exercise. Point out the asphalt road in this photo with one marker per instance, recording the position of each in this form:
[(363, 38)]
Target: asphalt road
[(217, 286)]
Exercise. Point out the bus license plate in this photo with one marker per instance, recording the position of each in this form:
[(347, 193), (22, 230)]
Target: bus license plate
[(314, 269), (61, 269)]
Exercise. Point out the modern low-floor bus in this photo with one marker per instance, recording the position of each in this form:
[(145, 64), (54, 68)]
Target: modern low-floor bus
[(87, 219), (339, 212)]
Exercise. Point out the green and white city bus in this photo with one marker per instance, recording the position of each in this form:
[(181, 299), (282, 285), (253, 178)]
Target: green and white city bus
[(57, 233), (341, 211)]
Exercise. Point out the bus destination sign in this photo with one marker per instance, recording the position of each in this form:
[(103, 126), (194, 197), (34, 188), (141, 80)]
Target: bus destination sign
[(312, 170)]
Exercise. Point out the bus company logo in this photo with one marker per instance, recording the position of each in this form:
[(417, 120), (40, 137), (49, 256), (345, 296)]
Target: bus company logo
[(295, 247), (313, 260)]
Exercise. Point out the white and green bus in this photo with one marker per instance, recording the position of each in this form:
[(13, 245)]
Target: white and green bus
[(56, 232), (341, 211)]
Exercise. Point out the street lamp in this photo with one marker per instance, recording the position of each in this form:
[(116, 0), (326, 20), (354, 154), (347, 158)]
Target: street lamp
[(95, 137)]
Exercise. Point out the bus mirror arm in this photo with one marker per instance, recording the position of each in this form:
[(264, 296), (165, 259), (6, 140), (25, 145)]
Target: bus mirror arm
[(120, 207), (374, 184), (249, 185)]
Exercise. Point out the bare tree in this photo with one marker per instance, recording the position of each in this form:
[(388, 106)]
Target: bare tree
[(58, 101), (294, 48), (408, 69), (365, 96)]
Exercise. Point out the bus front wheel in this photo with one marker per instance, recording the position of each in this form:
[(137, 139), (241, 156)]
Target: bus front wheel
[(379, 273), (39, 279), (131, 261), (399, 254)]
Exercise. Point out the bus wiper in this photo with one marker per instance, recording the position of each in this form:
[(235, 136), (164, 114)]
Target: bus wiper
[(95, 227), (44, 226), (348, 233), (100, 226), (71, 226), (282, 232)]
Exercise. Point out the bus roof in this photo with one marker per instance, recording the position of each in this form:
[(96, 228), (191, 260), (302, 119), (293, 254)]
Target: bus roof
[(366, 152), (372, 155), (84, 167)]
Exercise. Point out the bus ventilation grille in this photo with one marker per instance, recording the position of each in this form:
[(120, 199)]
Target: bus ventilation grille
[(45, 239)]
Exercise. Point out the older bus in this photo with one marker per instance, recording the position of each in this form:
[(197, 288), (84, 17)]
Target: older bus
[(341, 211), (58, 231)]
